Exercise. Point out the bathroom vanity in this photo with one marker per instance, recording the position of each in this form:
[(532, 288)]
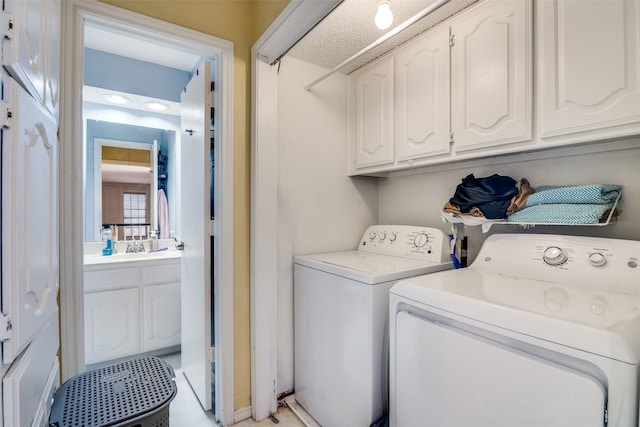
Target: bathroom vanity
[(132, 304)]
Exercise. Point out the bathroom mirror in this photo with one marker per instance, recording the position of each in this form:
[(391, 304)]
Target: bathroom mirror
[(127, 192), (131, 168)]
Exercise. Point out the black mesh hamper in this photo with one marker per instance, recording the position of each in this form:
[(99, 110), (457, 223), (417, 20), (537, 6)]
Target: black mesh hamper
[(134, 393)]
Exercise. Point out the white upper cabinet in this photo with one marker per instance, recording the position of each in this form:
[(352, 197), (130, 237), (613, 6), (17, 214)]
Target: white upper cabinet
[(31, 47), (422, 97), (589, 76), (491, 75), (372, 132)]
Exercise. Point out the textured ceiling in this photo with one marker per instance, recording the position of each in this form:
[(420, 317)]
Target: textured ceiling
[(350, 28)]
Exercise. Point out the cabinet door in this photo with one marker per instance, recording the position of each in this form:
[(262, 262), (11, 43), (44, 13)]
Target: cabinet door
[(111, 324), (491, 75), (374, 114), (31, 47), (422, 97), (161, 306), (29, 217), (589, 65)]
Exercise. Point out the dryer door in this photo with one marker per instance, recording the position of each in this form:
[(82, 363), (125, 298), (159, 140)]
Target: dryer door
[(446, 376)]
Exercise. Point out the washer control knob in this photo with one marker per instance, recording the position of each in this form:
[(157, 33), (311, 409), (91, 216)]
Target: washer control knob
[(393, 237), (553, 255), (420, 240), (597, 259), (383, 236), (372, 235)]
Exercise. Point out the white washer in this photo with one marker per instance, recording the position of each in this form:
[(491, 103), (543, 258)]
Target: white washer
[(541, 330), (340, 313)]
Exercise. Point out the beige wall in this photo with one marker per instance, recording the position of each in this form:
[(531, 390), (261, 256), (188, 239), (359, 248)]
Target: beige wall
[(241, 22)]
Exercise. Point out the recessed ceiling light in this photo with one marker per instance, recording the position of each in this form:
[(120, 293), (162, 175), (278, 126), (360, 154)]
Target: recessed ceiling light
[(156, 106), (116, 99)]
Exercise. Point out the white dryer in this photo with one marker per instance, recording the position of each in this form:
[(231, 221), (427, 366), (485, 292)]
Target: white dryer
[(541, 330), (340, 313)]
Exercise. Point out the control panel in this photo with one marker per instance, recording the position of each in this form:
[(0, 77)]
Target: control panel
[(422, 243), (588, 261)]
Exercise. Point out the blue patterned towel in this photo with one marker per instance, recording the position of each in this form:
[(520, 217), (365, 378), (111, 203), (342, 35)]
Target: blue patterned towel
[(577, 194), (561, 214)]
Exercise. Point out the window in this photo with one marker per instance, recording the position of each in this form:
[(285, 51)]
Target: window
[(134, 212)]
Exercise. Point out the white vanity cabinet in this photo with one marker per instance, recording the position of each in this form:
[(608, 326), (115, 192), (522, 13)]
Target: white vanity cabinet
[(491, 75), (372, 114), (131, 307), (588, 69), (111, 324), (422, 97)]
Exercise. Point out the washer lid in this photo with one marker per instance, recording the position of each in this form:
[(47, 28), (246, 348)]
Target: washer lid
[(369, 268), (599, 321)]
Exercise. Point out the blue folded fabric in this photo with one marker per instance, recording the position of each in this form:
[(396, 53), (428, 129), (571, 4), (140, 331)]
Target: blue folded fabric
[(577, 194), (561, 214), (492, 195)]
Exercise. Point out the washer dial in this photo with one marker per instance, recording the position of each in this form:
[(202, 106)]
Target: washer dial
[(554, 255), (597, 259), (420, 240)]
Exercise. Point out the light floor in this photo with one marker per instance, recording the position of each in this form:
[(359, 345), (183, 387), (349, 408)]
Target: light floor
[(185, 410)]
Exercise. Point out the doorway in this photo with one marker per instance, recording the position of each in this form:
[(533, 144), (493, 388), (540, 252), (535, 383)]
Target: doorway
[(76, 15)]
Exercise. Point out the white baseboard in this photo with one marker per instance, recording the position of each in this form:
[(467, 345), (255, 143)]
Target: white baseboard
[(242, 414)]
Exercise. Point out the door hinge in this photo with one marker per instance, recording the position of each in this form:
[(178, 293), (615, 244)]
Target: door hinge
[(7, 25), (212, 228), (212, 355), (6, 327), (6, 115), (452, 40), (452, 137), (606, 417)]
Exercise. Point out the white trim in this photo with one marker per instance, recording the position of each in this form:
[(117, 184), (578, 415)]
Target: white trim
[(75, 14), (291, 26), (242, 414), (264, 238), (297, 18)]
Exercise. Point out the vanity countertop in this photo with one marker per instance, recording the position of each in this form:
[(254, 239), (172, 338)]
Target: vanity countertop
[(99, 259)]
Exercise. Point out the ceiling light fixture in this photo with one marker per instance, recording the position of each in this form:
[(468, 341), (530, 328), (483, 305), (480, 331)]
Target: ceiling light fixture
[(384, 16), (116, 99), (156, 106)]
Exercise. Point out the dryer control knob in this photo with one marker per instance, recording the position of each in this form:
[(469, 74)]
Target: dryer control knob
[(383, 236), (597, 259), (553, 255), (372, 235), (393, 237), (420, 240)]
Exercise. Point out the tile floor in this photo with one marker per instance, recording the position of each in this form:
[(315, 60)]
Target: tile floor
[(185, 410)]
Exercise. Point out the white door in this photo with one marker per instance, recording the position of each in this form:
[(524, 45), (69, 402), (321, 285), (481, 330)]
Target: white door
[(491, 75), (29, 215), (589, 78), (31, 47), (422, 97), (195, 228), (29, 320), (374, 109), (449, 377)]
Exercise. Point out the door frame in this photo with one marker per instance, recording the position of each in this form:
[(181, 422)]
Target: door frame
[(74, 14)]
